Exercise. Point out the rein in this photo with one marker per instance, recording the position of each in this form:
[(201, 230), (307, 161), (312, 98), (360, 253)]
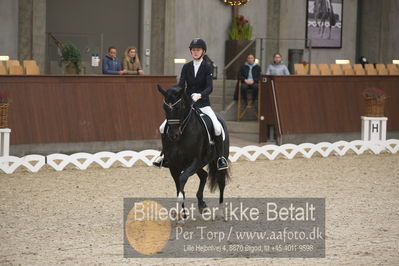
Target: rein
[(171, 105)]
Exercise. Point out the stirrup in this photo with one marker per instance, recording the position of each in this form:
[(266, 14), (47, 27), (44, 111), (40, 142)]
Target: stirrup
[(222, 164)]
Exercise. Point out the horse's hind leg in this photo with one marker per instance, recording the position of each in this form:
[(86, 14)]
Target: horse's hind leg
[(203, 175)]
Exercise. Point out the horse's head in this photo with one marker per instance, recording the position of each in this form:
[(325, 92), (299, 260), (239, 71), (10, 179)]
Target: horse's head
[(176, 105)]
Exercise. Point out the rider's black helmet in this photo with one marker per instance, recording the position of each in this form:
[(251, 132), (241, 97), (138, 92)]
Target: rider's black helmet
[(198, 43)]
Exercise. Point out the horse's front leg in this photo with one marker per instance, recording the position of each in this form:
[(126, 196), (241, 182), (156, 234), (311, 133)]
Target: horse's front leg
[(189, 171), (203, 175), (176, 177)]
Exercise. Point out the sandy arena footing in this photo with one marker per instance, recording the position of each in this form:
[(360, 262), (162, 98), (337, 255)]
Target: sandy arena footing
[(75, 217)]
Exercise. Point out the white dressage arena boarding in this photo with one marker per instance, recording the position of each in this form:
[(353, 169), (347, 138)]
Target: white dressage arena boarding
[(81, 160)]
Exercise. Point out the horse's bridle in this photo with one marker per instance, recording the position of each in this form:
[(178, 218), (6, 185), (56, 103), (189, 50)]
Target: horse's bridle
[(182, 124)]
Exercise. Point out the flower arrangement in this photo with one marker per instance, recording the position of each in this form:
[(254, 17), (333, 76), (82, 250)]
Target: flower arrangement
[(235, 2), (4, 102), (305, 65), (70, 55), (375, 101), (3, 97), (374, 93), (240, 29)]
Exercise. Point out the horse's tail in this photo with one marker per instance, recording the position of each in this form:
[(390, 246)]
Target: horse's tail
[(217, 178)]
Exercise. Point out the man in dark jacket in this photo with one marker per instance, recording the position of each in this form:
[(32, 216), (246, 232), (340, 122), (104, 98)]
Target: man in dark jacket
[(249, 77), (111, 64)]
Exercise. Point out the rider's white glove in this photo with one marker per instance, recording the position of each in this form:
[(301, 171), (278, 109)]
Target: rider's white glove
[(196, 96)]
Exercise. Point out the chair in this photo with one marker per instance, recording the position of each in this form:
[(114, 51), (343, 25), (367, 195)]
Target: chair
[(336, 69), (32, 69), (299, 69), (29, 62), (358, 69), (349, 71), (392, 69), (358, 66), (240, 113), (314, 70), (360, 72), (346, 66), (324, 69), (12, 63), (370, 70), (381, 69), (3, 70), (16, 70)]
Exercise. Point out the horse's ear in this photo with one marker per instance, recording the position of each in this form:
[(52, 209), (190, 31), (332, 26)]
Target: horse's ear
[(161, 90)]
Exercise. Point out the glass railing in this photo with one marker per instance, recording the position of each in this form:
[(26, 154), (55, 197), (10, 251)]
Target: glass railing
[(89, 44), (293, 51)]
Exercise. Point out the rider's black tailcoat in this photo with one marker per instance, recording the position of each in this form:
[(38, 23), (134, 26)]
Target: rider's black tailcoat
[(202, 83)]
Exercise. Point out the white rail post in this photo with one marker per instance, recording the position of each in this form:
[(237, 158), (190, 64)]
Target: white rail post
[(374, 128), (5, 141)]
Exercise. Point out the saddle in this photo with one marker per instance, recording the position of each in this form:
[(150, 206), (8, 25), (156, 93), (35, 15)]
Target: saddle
[(208, 125)]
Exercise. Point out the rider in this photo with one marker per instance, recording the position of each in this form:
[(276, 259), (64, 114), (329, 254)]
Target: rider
[(197, 75)]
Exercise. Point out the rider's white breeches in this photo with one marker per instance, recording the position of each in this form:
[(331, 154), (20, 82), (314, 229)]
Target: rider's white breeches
[(209, 112)]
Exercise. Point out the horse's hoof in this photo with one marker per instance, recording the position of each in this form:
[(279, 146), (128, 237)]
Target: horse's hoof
[(182, 218), (202, 208), (221, 214), (205, 210), (185, 216), (180, 197), (180, 223), (220, 217)]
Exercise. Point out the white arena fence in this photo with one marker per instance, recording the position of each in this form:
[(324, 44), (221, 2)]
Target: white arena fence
[(82, 161)]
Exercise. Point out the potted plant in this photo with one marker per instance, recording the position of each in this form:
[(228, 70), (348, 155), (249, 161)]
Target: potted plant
[(4, 103), (240, 29), (240, 34), (375, 101), (71, 59), (305, 66)]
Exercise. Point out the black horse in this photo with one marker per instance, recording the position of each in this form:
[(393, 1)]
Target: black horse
[(187, 148), (324, 13)]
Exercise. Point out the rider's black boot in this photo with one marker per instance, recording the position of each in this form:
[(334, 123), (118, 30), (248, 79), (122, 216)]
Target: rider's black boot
[(161, 161), (222, 162)]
